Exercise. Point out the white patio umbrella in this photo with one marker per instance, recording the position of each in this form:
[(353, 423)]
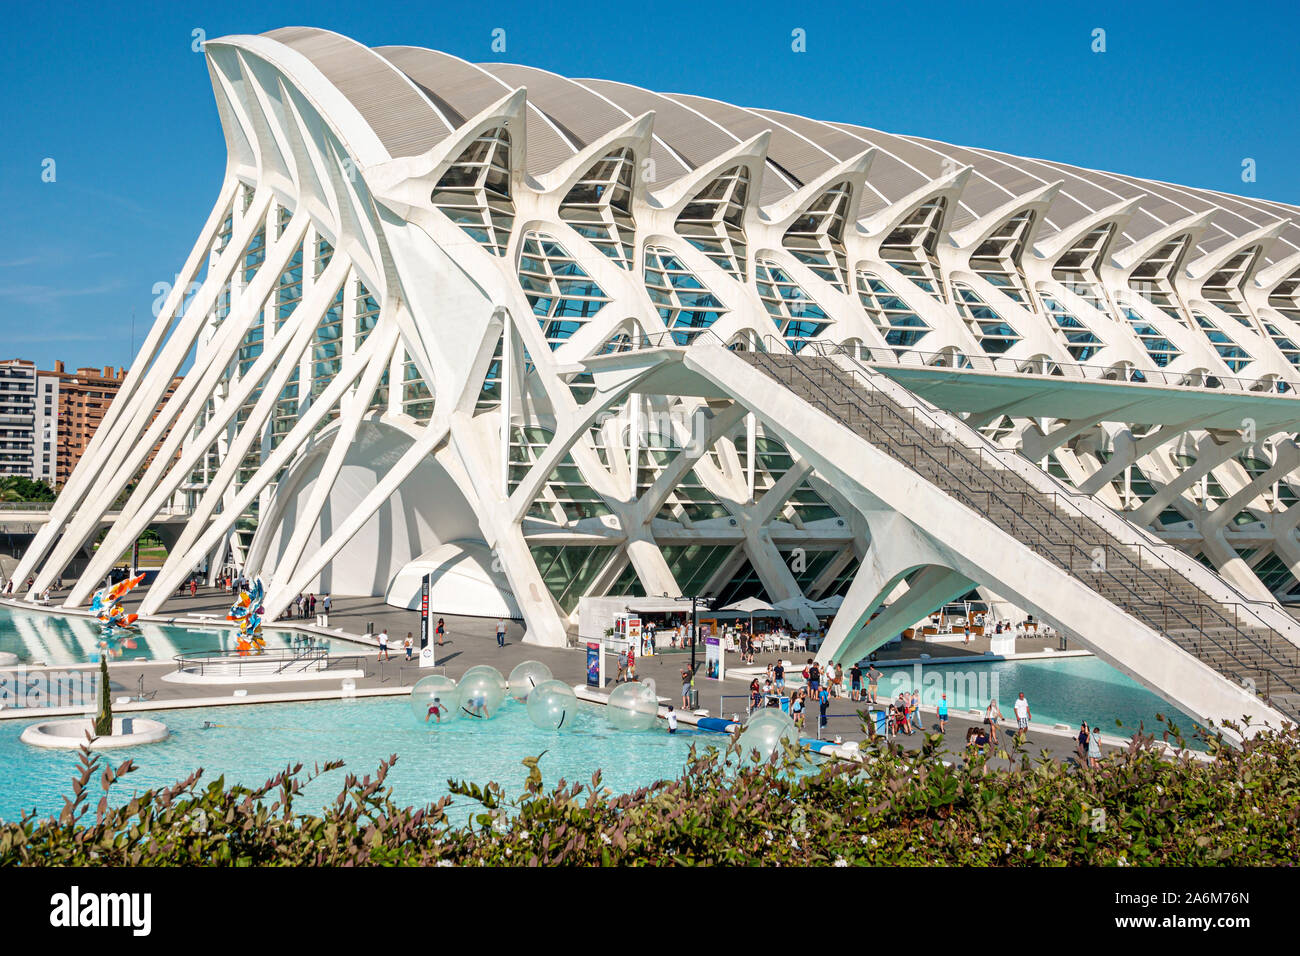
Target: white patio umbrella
[(751, 606)]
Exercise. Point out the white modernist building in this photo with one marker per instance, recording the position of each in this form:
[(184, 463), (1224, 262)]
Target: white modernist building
[(549, 338)]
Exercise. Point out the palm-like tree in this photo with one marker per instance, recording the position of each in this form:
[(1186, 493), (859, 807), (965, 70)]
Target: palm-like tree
[(19, 488)]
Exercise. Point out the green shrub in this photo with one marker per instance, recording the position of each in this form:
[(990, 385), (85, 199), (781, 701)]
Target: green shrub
[(1141, 807)]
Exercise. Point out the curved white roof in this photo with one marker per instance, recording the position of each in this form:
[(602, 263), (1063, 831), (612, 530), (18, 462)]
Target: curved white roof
[(414, 97)]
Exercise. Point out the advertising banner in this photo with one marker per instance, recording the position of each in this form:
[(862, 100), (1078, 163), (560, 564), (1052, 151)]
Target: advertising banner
[(595, 664), (424, 612), (715, 666)]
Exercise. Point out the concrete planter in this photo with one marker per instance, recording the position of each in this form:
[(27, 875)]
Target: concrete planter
[(71, 733)]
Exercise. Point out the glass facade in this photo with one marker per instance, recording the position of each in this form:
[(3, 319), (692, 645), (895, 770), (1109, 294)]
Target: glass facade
[(795, 314), (561, 293), (599, 207), (994, 334), (686, 306), (713, 222), (901, 327), (474, 192)]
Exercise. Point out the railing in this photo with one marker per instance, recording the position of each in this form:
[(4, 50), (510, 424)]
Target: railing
[(954, 361), (1086, 506), (949, 361), (281, 662), (956, 489)]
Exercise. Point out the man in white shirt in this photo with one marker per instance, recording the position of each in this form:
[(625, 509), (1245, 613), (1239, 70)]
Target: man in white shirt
[(383, 644), (672, 720), (501, 633), (1022, 715)]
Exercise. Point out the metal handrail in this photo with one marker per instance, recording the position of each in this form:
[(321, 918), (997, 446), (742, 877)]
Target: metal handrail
[(923, 448), (1000, 364), (1072, 495), (320, 657)]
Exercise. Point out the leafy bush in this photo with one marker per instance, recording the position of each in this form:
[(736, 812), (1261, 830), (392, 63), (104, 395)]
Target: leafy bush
[(1140, 807)]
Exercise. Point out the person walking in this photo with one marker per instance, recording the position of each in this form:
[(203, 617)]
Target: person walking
[(814, 677), (383, 644), (622, 667), (914, 709), (407, 645), (312, 599), (687, 680), (855, 682), (943, 714), (1094, 748), (501, 632), (326, 605), (1021, 707), (1081, 747), (297, 605), (441, 631), (823, 703), (992, 715)]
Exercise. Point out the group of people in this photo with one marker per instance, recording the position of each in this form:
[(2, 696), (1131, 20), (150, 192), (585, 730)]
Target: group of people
[(8, 586), (770, 692), (626, 666), (304, 605)]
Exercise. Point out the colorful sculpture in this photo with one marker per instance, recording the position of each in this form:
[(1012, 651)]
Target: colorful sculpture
[(247, 613), (104, 605)]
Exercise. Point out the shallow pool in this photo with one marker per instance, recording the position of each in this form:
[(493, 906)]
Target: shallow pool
[(60, 639), (251, 743), (1066, 690)]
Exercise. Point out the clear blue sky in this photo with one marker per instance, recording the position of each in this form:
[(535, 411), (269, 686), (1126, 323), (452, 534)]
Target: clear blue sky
[(117, 98)]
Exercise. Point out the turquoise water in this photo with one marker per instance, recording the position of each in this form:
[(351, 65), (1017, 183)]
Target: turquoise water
[(1066, 691), (60, 639), (251, 743)]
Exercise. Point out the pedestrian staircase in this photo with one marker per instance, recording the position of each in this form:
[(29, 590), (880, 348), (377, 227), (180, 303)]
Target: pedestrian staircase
[(1129, 570)]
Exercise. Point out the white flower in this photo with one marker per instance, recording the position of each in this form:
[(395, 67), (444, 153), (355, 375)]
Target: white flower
[(1029, 848), (794, 843), (977, 841), (524, 835), (604, 838), (509, 852), (840, 861), (444, 863), (863, 840)]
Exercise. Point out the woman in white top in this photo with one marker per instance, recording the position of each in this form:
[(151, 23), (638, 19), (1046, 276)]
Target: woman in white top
[(991, 717)]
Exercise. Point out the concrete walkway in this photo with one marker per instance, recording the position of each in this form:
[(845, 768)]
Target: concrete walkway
[(471, 641)]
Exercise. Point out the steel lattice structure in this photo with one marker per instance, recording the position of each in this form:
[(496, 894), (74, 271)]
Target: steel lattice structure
[(415, 325)]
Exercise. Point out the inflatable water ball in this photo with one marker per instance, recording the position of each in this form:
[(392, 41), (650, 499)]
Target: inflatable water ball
[(552, 705), (435, 700), (526, 676), (764, 732), (632, 706), (482, 689)]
